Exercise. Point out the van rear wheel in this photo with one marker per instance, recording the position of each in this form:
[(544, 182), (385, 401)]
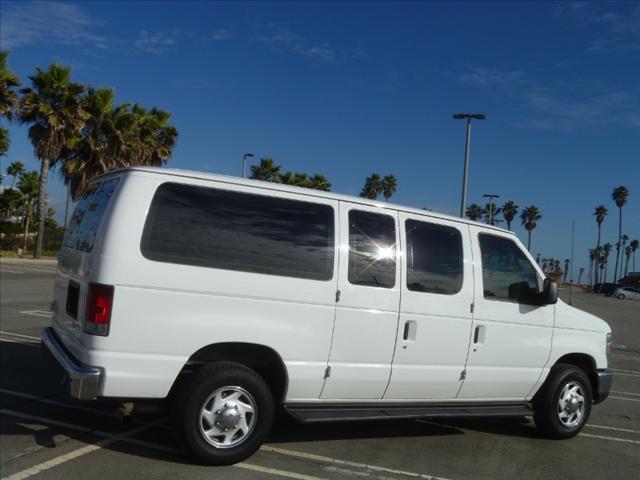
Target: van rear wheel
[(563, 405), (223, 414)]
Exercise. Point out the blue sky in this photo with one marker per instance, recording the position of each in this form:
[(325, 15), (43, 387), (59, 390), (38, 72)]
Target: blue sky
[(346, 89)]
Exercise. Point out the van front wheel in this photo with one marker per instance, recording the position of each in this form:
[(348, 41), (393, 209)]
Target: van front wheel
[(564, 404), (223, 414)]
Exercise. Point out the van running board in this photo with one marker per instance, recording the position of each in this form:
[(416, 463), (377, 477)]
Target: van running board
[(344, 412)]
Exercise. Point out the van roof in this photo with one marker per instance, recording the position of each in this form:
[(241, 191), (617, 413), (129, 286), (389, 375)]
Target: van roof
[(173, 172)]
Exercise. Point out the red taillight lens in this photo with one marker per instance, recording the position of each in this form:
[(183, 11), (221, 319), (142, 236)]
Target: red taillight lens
[(98, 310)]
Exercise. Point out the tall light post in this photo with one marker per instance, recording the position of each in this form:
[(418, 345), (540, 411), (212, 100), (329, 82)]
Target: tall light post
[(244, 163), (468, 117), (490, 196)]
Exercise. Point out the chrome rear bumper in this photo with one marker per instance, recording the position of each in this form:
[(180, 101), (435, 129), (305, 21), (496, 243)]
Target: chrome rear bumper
[(85, 382)]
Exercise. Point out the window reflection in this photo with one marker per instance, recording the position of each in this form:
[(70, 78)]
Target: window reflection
[(372, 249)]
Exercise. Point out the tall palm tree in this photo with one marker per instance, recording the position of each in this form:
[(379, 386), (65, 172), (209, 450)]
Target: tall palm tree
[(580, 275), (600, 213), (389, 186), (8, 99), (566, 269), (634, 246), (606, 251), (266, 170), (620, 195), (372, 187), (15, 170), (28, 186), (530, 217), (474, 212), (509, 212), (491, 210), (627, 251), (53, 110), (592, 261)]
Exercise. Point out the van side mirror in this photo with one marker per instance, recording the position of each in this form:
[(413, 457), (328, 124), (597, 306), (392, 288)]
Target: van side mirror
[(549, 294)]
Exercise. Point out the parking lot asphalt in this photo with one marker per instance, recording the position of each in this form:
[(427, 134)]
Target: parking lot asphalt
[(46, 434)]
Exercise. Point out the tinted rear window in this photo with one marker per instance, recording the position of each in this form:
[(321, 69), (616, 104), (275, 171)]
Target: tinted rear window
[(239, 231), (87, 216)]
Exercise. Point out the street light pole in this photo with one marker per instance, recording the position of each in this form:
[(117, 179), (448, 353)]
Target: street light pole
[(490, 197), (244, 163), (467, 153)]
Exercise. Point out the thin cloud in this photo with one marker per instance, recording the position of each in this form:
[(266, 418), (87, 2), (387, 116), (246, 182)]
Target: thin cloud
[(489, 77), (39, 22), (616, 25), (561, 107), (155, 42), (283, 39), (221, 34), (195, 83)]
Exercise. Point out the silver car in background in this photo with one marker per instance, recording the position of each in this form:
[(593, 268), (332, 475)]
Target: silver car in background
[(631, 293)]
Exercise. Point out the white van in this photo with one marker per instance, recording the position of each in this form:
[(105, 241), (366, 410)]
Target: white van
[(235, 297)]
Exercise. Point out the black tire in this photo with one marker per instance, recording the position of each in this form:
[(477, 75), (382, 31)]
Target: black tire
[(622, 296), (193, 396), (547, 403)]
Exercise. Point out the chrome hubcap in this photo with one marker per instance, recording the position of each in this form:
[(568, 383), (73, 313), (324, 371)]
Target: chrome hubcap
[(228, 417), (571, 405)]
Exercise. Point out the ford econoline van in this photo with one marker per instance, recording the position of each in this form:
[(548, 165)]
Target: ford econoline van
[(233, 298)]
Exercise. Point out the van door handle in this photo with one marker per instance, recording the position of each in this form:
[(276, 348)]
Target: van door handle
[(476, 334), (410, 330)]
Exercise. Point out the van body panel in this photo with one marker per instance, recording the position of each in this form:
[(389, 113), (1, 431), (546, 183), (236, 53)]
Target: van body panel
[(429, 363), (513, 340), (365, 326)]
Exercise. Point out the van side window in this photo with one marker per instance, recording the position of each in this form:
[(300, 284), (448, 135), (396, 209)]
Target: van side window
[(434, 258), (372, 249), (507, 274), (230, 230), (87, 216)]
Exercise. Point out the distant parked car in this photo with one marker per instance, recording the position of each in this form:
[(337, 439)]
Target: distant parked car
[(606, 288), (627, 292)]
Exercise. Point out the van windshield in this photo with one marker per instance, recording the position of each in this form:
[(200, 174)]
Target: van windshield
[(84, 224)]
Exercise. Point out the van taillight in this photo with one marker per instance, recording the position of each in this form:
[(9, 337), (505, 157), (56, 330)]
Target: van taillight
[(98, 309)]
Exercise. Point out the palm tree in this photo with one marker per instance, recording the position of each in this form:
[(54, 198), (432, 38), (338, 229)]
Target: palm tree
[(600, 213), (53, 110), (592, 261), (620, 195), (634, 246), (509, 212), (538, 258), (389, 186), (606, 251), (627, 251), (530, 217), (372, 187), (8, 99), (580, 275), (319, 182), (267, 170), (493, 208), (566, 269), (28, 186), (15, 170), (474, 212)]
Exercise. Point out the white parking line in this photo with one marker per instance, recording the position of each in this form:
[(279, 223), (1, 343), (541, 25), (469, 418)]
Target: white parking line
[(36, 469), (614, 439), (626, 393), (19, 334), (336, 461), (626, 373), (623, 398), (7, 270), (37, 313), (617, 429)]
